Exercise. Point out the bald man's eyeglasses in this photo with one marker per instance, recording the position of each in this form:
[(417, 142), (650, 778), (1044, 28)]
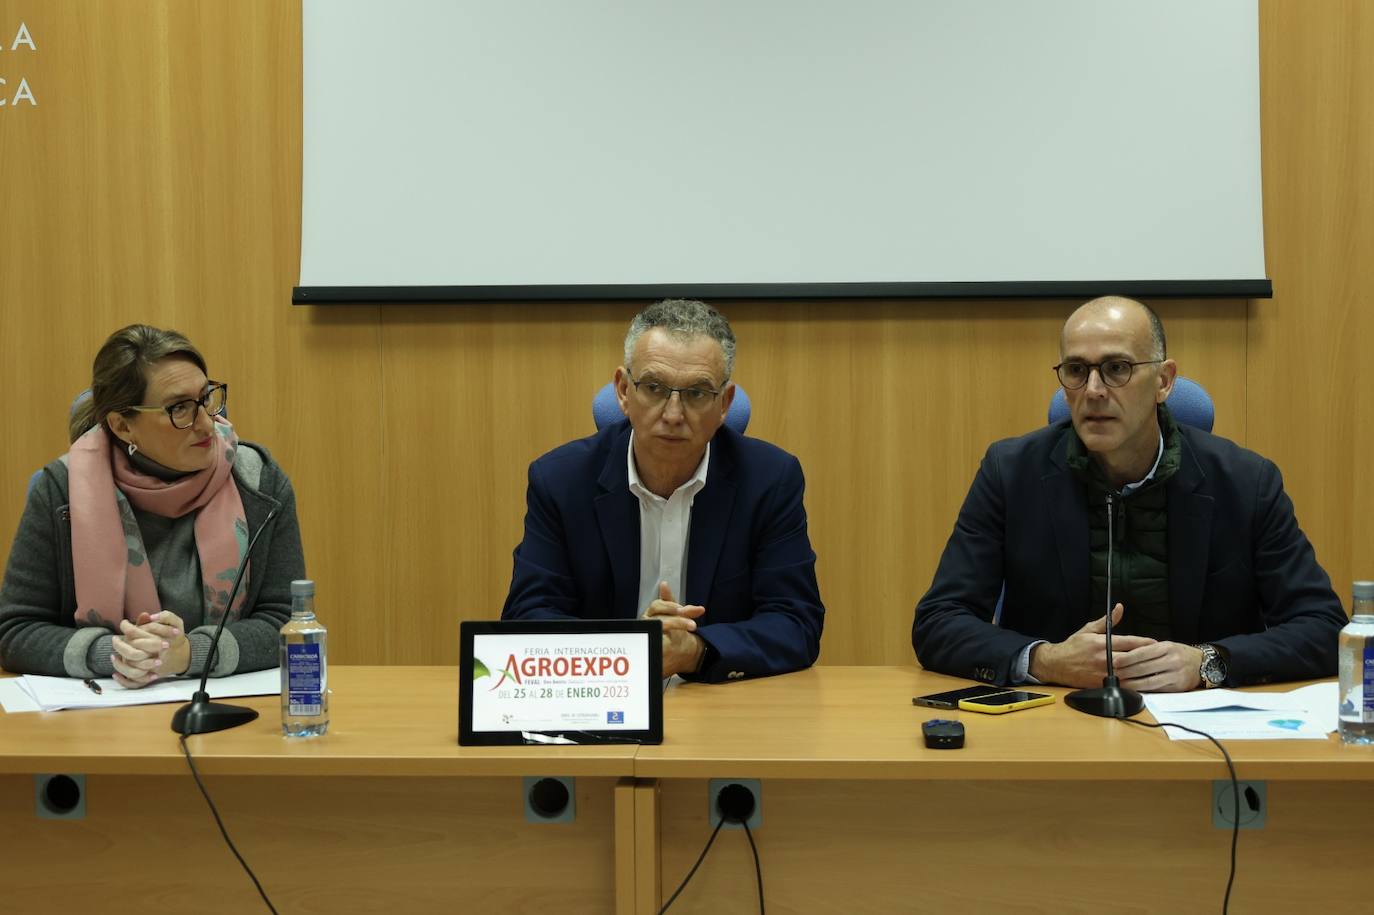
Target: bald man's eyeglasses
[(1115, 373)]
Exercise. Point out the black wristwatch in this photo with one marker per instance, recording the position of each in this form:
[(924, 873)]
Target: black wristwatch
[(1213, 669)]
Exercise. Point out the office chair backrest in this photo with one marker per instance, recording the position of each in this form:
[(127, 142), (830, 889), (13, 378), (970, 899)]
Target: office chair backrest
[(1189, 403), (606, 410), (71, 411)]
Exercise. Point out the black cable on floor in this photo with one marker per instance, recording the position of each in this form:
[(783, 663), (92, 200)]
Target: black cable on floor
[(758, 869), (685, 880), (222, 831), (1235, 794)]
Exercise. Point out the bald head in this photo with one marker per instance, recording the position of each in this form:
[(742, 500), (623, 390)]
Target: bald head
[(1119, 375), (1124, 313)]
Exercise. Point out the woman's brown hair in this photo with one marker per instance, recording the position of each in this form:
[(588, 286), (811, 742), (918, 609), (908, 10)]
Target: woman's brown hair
[(119, 375)]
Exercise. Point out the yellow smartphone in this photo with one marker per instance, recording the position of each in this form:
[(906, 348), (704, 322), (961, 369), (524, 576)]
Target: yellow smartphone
[(1010, 701)]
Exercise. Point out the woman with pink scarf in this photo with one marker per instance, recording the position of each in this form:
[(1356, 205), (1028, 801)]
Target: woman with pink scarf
[(130, 542)]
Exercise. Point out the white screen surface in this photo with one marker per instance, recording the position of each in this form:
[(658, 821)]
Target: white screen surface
[(566, 143), (564, 681)]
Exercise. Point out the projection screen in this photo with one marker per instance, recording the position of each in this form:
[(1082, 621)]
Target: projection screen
[(574, 149)]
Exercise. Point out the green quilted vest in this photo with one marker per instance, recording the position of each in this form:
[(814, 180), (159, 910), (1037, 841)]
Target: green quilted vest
[(1140, 565)]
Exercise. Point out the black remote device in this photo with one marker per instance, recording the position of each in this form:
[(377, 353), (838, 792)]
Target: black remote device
[(943, 734)]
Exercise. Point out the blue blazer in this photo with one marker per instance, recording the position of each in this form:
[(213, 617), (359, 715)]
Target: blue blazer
[(749, 559), (1242, 574)]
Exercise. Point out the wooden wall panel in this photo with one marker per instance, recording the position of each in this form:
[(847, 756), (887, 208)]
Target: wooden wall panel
[(471, 395), (1312, 396), (159, 180)]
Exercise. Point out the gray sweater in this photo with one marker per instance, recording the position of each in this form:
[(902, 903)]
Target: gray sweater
[(38, 632)]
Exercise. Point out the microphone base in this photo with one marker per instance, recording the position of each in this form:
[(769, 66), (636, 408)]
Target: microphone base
[(201, 716), (1106, 701)]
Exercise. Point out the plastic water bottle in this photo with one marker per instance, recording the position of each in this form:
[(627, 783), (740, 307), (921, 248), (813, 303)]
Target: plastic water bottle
[(1357, 668), (304, 668)]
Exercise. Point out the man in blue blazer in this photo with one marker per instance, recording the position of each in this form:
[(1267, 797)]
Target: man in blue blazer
[(670, 514), (1213, 582)]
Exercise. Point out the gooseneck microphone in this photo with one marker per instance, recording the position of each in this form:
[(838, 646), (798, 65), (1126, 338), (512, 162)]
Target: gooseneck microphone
[(1108, 700), (200, 715)]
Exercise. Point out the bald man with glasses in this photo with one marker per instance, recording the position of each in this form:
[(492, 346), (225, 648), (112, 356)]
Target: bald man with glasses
[(1212, 581), (671, 514)]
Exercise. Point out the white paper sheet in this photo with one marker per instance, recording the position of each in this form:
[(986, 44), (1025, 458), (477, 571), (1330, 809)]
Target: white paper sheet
[(49, 694), (14, 698), (1306, 713)]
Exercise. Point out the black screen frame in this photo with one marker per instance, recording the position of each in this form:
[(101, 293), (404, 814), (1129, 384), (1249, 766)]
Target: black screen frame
[(1254, 288), (653, 632)]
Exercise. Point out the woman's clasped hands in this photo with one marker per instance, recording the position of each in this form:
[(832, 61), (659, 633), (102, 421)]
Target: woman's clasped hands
[(153, 647)]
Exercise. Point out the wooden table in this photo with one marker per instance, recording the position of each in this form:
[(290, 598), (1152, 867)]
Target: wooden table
[(1045, 810), (386, 813)]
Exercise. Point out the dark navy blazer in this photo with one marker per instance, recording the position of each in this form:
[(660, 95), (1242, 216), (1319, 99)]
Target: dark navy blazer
[(1242, 574), (749, 559)]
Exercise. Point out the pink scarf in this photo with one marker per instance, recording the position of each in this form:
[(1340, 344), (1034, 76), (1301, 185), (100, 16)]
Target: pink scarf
[(114, 580)]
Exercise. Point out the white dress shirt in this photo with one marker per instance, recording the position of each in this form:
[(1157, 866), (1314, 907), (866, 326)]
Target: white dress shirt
[(664, 528)]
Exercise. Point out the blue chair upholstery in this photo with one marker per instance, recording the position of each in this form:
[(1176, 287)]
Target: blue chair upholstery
[(71, 411), (1189, 403), (606, 410)]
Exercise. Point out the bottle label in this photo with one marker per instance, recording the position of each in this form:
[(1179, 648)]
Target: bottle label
[(1367, 681), (304, 674)]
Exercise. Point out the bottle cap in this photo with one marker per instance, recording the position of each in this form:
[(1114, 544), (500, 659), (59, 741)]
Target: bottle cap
[(302, 587), (1364, 590)]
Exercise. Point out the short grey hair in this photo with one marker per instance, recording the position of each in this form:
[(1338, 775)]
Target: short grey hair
[(1161, 345), (685, 319)]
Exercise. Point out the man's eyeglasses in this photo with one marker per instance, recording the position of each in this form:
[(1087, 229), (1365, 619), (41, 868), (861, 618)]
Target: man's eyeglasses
[(1114, 372), (657, 394), (183, 412)]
